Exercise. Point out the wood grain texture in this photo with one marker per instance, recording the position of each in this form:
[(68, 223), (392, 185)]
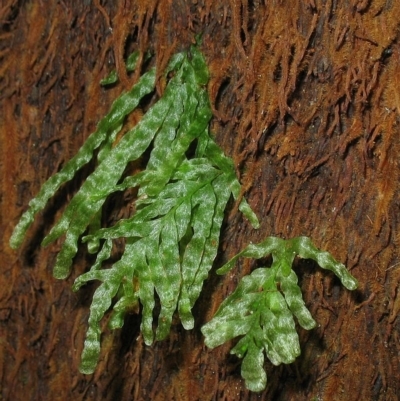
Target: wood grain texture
[(306, 100)]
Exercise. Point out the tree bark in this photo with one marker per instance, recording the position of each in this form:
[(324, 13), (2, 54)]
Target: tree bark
[(306, 100)]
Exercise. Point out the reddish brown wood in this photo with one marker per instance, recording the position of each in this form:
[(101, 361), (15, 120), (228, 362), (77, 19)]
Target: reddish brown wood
[(306, 95)]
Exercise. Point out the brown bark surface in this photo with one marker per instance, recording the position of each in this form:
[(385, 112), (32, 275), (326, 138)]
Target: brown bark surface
[(306, 98)]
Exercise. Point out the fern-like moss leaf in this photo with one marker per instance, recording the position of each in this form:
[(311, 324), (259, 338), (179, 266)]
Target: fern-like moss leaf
[(172, 237), (263, 307)]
